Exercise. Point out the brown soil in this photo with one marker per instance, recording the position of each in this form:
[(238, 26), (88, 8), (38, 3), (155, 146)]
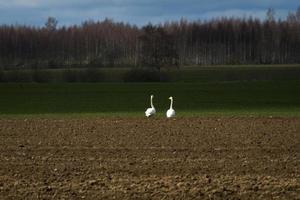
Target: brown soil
[(182, 158)]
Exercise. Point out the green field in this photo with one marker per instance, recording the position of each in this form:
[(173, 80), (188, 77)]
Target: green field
[(240, 98)]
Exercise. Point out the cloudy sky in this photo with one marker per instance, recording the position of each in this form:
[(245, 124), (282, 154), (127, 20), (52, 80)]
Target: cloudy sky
[(67, 12)]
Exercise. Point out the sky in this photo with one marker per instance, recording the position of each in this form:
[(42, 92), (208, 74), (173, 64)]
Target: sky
[(139, 12)]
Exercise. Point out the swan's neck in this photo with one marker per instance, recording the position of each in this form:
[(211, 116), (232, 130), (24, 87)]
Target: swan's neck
[(151, 102), (171, 105)]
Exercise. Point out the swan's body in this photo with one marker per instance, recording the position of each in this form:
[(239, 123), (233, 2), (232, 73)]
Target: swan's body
[(150, 111), (171, 112)]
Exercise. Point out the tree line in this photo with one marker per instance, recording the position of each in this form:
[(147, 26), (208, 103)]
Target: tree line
[(225, 40)]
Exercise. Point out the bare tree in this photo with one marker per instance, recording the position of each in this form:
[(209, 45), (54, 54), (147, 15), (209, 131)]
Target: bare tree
[(270, 15), (108, 43), (51, 24)]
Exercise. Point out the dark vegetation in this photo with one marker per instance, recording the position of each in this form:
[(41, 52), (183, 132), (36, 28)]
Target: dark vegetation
[(201, 98), (183, 74), (145, 75), (116, 44)]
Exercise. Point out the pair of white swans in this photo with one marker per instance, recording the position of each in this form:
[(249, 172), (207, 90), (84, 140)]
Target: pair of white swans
[(151, 111)]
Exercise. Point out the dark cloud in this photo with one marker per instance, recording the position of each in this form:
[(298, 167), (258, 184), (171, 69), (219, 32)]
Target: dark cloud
[(35, 12)]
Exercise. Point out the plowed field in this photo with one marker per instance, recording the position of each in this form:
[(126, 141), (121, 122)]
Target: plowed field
[(135, 158)]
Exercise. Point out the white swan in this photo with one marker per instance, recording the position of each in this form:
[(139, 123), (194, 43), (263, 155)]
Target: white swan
[(171, 111), (150, 111)]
